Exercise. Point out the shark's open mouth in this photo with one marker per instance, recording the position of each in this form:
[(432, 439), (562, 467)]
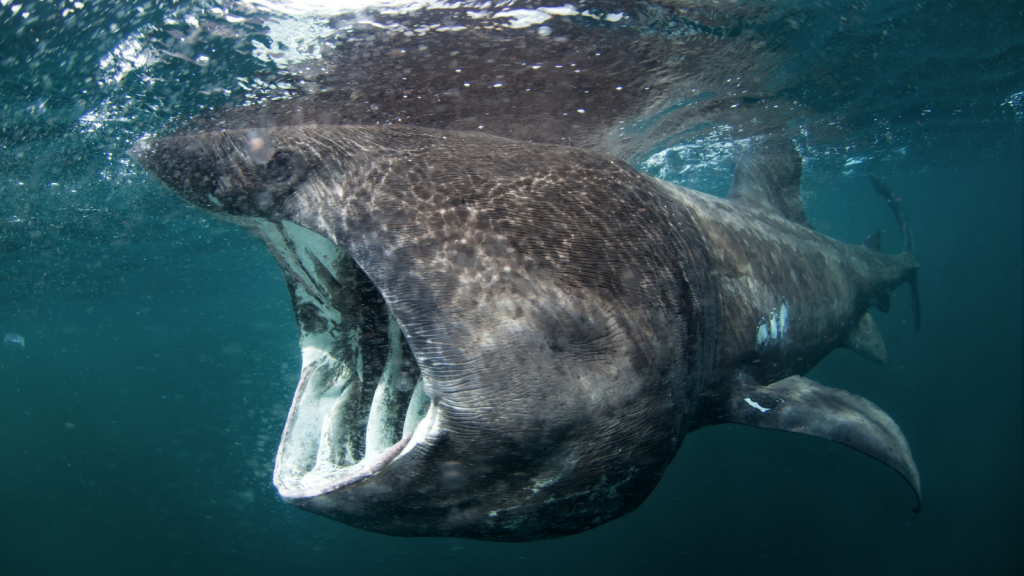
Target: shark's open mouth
[(361, 398)]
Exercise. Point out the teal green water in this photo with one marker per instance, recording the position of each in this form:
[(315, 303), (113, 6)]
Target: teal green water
[(140, 417)]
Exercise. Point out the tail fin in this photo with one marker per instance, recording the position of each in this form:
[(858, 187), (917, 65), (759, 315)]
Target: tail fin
[(908, 242), (897, 209)]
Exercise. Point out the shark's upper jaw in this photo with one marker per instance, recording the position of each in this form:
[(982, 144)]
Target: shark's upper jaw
[(361, 400)]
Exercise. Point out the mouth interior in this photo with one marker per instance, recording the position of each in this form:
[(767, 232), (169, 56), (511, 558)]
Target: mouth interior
[(361, 397)]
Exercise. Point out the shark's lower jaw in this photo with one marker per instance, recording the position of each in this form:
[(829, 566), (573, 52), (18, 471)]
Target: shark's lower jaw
[(361, 398)]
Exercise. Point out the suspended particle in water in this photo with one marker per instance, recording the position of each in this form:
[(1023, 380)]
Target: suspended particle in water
[(12, 340)]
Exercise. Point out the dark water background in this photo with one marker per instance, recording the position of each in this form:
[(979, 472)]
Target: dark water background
[(139, 422)]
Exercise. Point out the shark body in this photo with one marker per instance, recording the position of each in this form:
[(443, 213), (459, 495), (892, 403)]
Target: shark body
[(507, 340)]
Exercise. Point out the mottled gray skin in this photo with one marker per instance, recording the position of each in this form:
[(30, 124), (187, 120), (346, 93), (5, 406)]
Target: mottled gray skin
[(572, 318), (760, 257)]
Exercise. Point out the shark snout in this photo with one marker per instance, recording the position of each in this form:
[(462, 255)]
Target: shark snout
[(140, 151)]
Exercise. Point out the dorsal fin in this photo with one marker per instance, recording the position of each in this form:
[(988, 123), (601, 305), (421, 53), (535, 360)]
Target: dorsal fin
[(768, 176), (874, 241)]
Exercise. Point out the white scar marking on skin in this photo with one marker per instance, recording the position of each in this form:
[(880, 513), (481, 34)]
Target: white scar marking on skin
[(756, 405), (772, 328)]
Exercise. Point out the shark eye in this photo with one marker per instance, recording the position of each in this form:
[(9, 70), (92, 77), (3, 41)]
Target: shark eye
[(284, 171), (283, 166)]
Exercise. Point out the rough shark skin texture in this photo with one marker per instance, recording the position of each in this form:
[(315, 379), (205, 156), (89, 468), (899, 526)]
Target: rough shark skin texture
[(567, 319)]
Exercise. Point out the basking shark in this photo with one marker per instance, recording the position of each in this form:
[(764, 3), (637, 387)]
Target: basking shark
[(509, 340)]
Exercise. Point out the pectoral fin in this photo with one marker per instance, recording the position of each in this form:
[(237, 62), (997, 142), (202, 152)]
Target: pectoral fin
[(797, 404)]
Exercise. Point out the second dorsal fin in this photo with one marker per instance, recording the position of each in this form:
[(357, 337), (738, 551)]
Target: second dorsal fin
[(874, 242), (768, 175)]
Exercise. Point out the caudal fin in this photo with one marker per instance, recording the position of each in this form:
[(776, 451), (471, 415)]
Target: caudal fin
[(908, 242), (897, 210)]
